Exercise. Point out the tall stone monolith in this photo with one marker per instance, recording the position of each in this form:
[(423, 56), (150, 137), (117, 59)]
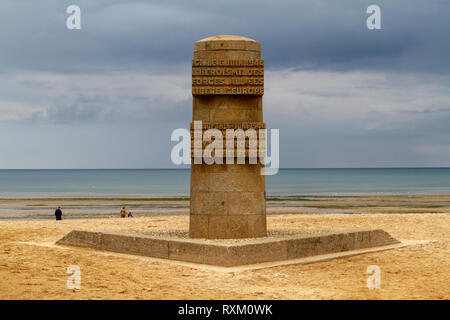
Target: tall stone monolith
[(227, 200)]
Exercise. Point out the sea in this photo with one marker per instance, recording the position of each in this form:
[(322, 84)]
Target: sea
[(175, 182)]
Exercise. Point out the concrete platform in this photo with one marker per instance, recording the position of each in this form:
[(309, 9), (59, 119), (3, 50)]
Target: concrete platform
[(278, 246)]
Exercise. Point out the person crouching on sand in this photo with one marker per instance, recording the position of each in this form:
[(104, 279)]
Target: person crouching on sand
[(58, 214), (123, 212)]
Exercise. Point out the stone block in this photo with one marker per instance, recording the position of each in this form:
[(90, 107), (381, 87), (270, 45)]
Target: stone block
[(208, 203), (200, 182), (256, 182), (303, 247), (226, 182), (246, 203), (199, 253), (237, 227), (257, 225), (201, 113), (257, 253), (218, 227), (199, 226)]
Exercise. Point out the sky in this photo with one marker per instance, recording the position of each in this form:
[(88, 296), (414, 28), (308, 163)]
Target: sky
[(110, 95)]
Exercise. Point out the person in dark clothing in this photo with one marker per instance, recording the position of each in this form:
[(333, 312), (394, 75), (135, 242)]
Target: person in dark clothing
[(58, 213)]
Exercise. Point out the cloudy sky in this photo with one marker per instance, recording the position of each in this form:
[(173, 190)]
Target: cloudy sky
[(110, 94)]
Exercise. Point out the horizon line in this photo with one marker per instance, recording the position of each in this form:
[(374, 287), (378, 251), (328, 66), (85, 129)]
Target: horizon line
[(287, 168)]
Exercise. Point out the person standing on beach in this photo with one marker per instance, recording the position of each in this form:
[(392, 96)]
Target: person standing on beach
[(58, 213), (123, 212)]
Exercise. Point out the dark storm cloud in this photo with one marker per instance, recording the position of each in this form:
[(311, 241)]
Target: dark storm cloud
[(157, 35)]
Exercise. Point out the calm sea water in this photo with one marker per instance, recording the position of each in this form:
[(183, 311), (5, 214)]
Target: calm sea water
[(175, 182)]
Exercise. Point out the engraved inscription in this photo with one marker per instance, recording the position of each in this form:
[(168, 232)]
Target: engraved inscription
[(231, 125), (227, 90), (223, 81), (228, 76), (228, 62), (240, 145), (211, 71)]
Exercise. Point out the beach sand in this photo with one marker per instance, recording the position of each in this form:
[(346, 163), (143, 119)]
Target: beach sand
[(29, 271)]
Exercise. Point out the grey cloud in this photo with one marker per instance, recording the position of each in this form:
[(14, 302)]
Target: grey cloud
[(75, 113), (119, 110), (104, 98), (158, 35), (340, 94)]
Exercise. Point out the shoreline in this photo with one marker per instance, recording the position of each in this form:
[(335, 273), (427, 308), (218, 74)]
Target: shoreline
[(109, 207)]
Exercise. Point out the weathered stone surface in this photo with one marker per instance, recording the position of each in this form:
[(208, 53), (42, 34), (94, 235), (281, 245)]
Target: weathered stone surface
[(257, 253), (197, 223), (198, 252), (217, 227), (237, 226), (227, 85), (338, 242), (246, 203), (224, 252), (209, 203), (139, 245), (257, 225)]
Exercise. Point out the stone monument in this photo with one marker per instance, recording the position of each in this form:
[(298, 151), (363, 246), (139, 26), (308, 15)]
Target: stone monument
[(227, 200)]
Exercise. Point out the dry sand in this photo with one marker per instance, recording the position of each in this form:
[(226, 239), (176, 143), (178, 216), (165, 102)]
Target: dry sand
[(413, 272)]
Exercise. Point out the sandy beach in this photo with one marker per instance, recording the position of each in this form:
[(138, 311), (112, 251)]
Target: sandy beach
[(31, 267)]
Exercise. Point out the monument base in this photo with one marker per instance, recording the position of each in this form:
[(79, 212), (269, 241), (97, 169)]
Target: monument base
[(278, 246)]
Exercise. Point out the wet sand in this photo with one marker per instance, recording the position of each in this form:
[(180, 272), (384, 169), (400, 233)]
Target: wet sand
[(106, 207), (422, 271)]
